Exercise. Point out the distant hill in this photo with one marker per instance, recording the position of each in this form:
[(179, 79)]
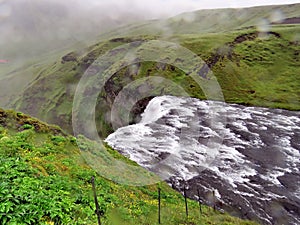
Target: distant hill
[(212, 21)]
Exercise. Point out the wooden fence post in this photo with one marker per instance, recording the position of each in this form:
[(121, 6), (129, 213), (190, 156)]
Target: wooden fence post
[(185, 199), (96, 201), (214, 199), (200, 207), (159, 204)]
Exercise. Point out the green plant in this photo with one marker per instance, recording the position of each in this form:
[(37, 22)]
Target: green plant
[(27, 126), (44, 180)]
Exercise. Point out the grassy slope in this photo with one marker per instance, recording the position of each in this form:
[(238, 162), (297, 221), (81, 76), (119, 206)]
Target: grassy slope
[(263, 71), (258, 71), (199, 22), (44, 180), (16, 75), (207, 21)]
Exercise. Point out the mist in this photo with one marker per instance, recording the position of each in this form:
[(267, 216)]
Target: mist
[(30, 28), (33, 27)]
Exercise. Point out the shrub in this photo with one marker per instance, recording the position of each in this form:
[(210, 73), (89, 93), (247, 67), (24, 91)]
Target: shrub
[(27, 126)]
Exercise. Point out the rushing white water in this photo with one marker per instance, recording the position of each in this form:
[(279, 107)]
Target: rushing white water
[(254, 151)]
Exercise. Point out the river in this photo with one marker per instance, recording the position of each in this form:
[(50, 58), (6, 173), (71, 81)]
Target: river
[(249, 157)]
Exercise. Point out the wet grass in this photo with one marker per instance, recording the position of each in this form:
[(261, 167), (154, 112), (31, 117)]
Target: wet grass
[(45, 180)]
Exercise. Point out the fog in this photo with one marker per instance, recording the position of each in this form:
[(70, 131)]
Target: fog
[(32, 27), (29, 27)]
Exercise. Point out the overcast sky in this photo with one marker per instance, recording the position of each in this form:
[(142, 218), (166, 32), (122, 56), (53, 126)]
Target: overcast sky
[(158, 8), (42, 23)]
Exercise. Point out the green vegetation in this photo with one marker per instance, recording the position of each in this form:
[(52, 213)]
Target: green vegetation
[(44, 180), (252, 68)]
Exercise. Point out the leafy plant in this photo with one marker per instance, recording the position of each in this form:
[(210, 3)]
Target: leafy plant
[(44, 180)]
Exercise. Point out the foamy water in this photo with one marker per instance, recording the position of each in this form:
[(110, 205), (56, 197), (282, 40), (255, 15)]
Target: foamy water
[(253, 151)]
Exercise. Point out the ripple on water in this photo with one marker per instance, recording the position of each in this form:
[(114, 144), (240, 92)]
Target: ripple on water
[(258, 152)]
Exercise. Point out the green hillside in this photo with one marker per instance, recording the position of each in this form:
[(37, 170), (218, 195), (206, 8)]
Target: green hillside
[(209, 21), (251, 70), (44, 177), (217, 23), (45, 180)]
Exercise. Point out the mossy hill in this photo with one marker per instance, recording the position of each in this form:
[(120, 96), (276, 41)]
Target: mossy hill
[(252, 68)]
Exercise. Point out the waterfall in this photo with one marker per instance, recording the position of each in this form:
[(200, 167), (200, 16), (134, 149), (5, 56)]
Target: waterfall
[(248, 154)]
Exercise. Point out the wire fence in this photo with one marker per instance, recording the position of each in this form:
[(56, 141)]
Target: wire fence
[(159, 200)]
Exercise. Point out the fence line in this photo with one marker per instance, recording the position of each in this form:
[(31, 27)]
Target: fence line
[(98, 212)]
